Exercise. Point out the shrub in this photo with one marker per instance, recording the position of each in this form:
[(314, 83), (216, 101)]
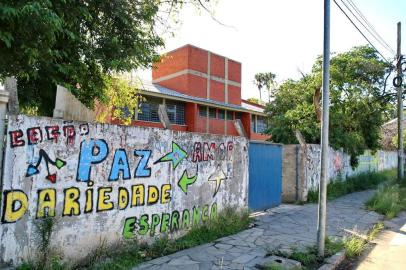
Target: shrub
[(388, 200)]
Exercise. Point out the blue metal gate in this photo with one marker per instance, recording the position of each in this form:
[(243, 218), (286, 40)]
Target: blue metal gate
[(265, 175)]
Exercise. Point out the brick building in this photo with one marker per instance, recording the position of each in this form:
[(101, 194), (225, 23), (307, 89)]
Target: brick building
[(201, 92)]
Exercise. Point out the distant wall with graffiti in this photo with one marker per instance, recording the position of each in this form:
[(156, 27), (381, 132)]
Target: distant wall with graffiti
[(303, 173), (103, 183), (339, 164)]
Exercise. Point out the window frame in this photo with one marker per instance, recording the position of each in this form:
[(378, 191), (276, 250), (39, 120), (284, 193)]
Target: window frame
[(150, 112), (228, 113), (215, 113), (219, 111), (178, 110), (205, 111), (263, 125)]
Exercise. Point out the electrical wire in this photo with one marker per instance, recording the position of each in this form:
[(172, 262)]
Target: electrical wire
[(366, 27), (352, 22), (358, 11)]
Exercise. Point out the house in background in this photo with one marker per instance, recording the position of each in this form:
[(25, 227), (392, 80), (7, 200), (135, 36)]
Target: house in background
[(201, 92)]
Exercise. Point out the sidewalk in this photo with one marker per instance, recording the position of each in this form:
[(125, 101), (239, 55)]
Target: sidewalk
[(279, 228), (390, 250)]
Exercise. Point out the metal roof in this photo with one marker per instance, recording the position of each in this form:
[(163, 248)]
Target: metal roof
[(251, 107), (155, 89)]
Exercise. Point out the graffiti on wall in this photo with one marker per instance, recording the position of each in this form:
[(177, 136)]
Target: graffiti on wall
[(142, 181), (340, 166)]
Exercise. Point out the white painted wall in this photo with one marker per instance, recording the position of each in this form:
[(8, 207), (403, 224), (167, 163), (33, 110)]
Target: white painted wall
[(77, 235)]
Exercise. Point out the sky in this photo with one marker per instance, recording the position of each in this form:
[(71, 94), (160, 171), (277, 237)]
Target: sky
[(281, 36)]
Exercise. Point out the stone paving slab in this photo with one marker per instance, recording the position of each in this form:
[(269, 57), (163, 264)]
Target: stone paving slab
[(278, 228)]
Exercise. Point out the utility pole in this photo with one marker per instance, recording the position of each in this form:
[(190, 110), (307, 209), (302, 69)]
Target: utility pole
[(321, 227), (399, 78)]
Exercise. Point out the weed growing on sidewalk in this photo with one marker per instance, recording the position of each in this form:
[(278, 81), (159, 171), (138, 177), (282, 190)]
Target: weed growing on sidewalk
[(388, 200), (131, 253), (276, 266), (363, 181), (308, 256), (355, 244)]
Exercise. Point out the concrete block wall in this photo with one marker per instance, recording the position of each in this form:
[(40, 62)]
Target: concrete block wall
[(68, 107), (104, 183), (296, 184), (290, 172)]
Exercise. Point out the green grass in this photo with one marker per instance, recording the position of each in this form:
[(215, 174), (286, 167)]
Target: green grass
[(363, 181), (276, 266), (227, 223), (388, 200), (355, 245), (131, 253), (308, 256)]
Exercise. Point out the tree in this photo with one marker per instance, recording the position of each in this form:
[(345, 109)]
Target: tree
[(77, 44), (358, 104), (121, 102), (255, 100), (266, 80)]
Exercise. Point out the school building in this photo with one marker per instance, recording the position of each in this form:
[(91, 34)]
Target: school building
[(201, 92)]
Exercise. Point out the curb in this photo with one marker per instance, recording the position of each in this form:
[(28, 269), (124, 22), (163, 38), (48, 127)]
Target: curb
[(333, 261)]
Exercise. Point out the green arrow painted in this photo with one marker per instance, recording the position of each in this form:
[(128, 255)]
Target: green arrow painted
[(59, 163), (186, 181)]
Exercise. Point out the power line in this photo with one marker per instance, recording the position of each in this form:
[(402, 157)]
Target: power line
[(348, 17), (377, 36), (370, 25)]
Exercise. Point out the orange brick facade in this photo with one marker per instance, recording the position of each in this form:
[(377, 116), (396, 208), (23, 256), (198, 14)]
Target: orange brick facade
[(199, 73)]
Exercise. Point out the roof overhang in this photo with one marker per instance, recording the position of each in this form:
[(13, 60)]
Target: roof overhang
[(200, 101)]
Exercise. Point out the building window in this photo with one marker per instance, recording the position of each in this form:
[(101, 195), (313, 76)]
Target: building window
[(238, 115), (258, 124), (261, 124), (176, 112), (149, 110), (212, 112), (203, 111), (230, 115), (221, 114)]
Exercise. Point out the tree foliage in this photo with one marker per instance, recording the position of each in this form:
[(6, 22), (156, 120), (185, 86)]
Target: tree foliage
[(121, 100), (357, 110), (256, 101), (77, 43)]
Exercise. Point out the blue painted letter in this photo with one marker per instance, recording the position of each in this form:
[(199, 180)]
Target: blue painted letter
[(120, 164), (142, 169), (92, 152)]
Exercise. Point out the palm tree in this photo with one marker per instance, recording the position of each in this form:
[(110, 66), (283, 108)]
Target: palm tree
[(266, 79)]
